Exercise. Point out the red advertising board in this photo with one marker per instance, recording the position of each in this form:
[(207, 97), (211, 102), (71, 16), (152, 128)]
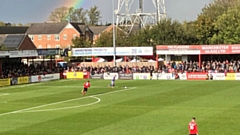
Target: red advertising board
[(204, 49), (196, 76)]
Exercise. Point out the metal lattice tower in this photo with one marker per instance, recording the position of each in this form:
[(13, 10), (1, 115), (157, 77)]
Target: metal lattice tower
[(130, 15)]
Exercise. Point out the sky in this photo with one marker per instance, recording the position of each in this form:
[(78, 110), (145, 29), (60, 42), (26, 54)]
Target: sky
[(30, 11)]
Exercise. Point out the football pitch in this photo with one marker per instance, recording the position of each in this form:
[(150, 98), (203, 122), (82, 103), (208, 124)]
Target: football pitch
[(145, 107)]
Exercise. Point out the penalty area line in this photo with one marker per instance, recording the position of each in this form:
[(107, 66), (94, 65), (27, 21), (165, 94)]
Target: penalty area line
[(45, 105)]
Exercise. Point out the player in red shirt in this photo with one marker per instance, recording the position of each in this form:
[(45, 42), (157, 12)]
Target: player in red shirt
[(192, 126), (85, 87)]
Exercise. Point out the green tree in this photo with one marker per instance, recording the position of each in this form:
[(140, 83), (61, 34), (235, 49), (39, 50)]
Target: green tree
[(79, 15), (106, 39), (3, 48), (80, 42), (94, 15), (2, 23), (60, 14), (228, 27), (207, 18)]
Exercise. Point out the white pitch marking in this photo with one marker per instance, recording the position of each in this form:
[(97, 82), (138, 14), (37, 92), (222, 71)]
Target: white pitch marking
[(64, 108), (4, 94), (31, 108)]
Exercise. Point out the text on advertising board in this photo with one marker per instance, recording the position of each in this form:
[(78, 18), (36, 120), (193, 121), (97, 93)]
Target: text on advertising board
[(109, 51), (5, 82), (23, 80)]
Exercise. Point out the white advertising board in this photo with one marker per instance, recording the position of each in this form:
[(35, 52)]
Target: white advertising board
[(219, 76), (158, 76), (182, 76), (178, 52), (23, 53), (43, 78), (109, 51), (237, 76), (109, 76)]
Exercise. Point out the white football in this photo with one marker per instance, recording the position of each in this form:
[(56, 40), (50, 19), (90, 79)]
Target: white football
[(125, 87)]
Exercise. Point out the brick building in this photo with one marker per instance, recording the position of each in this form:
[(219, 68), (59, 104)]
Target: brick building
[(57, 35)]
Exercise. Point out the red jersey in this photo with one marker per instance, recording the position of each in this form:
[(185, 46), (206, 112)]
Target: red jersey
[(192, 126), (86, 85)]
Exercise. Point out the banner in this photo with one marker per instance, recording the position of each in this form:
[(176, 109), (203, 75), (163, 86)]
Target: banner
[(109, 76), (5, 82), (75, 75), (196, 76), (23, 53), (43, 78), (125, 76), (237, 76), (156, 76), (4, 53), (45, 52), (198, 49), (230, 76), (182, 76), (109, 51), (219, 76), (96, 76), (23, 80)]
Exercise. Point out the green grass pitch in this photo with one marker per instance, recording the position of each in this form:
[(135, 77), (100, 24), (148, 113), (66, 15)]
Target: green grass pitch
[(144, 108)]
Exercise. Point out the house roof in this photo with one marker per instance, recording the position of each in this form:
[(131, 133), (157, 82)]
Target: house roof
[(13, 41), (13, 29), (98, 29), (80, 27), (46, 28)]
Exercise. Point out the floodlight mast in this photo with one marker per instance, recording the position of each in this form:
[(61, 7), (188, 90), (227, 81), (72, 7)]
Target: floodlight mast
[(127, 17)]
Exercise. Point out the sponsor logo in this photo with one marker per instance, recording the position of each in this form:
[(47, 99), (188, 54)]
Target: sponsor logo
[(96, 76), (126, 76)]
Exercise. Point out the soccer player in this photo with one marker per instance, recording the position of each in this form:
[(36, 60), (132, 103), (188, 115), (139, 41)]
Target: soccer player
[(112, 82), (192, 126), (85, 87)]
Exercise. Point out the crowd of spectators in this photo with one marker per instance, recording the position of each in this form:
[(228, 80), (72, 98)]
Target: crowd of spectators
[(21, 69), (169, 67), (16, 69)]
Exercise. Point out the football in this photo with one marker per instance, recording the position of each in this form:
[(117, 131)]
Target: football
[(125, 87)]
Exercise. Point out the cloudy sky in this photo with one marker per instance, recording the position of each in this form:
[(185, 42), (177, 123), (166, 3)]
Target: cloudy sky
[(26, 11)]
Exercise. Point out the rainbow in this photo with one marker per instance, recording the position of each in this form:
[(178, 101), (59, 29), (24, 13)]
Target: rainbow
[(76, 3)]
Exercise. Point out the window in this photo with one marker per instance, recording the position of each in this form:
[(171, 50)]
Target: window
[(31, 37), (65, 36), (49, 46), (57, 37), (57, 46), (40, 46), (48, 37), (74, 35), (39, 37)]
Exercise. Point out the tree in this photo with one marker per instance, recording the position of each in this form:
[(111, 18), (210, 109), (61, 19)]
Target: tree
[(228, 27), (94, 15), (207, 18), (106, 39), (60, 14), (3, 48), (79, 15), (79, 42), (2, 23)]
